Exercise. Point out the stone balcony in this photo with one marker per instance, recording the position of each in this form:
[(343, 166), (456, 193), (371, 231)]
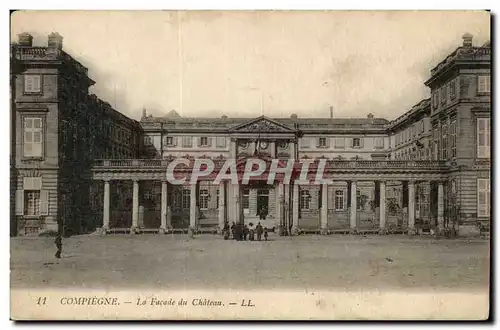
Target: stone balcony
[(155, 169)]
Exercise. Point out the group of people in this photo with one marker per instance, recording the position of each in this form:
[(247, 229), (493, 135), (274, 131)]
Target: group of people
[(242, 232)]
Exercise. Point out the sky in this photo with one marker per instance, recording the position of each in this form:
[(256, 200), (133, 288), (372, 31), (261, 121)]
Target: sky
[(245, 64)]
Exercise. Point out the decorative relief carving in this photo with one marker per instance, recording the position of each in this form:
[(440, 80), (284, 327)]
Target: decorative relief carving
[(263, 126)]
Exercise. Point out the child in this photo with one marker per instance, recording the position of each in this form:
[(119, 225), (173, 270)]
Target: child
[(265, 233)]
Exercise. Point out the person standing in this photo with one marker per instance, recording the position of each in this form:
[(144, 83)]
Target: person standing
[(259, 231), (265, 233), (233, 230), (58, 242), (251, 233), (245, 232)]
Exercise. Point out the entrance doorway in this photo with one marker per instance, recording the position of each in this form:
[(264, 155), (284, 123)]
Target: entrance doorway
[(262, 203)]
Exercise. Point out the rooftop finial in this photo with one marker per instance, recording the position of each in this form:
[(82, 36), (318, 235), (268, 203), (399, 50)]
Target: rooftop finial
[(467, 40), (144, 113)]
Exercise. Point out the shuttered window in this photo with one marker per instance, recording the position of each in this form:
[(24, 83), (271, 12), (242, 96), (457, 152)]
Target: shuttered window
[(32, 83), (187, 141), (483, 84), (483, 197), (33, 137), (339, 143), (221, 142), (453, 138), (31, 202), (483, 137)]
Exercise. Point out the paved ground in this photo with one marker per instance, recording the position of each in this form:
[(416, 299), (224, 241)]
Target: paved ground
[(208, 262)]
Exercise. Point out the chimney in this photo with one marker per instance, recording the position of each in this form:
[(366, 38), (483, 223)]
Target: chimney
[(467, 38), (331, 112), (25, 39), (55, 40)]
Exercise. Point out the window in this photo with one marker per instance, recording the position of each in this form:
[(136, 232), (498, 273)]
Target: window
[(305, 200), (32, 202), (186, 198), (203, 199), (217, 197), (246, 198), (169, 140), (33, 137), (147, 140), (435, 98), (187, 141), (379, 143), (443, 95), (356, 142), (339, 200), (444, 140), (322, 142), (483, 84), (453, 138), (483, 197), (32, 83), (483, 138), (204, 141), (305, 143), (453, 89), (339, 143), (221, 142)]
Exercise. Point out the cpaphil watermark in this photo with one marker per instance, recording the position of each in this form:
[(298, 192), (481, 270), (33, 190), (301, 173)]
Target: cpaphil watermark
[(189, 171)]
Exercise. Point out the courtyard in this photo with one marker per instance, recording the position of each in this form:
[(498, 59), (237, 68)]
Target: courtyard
[(334, 262)]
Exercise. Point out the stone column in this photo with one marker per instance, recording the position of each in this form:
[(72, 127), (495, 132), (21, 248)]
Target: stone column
[(272, 146), (440, 211), (295, 215), (411, 207), (354, 206), (238, 207), (105, 219), (193, 222), (292, 149), (222, 205), (382, 207), (279, 203), (135, 206), (163, 226), (324, 208)]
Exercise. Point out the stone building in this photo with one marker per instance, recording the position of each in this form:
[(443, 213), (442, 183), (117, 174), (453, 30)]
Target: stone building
[(58, 130), (419, 171)]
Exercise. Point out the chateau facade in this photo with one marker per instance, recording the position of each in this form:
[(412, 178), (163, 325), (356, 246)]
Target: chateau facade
[(429, 168)]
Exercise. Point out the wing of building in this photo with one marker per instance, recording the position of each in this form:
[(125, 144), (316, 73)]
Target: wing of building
[(78, 165)]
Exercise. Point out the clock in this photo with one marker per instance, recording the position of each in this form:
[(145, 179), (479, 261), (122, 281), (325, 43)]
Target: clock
[(263, 144), (283, 144)]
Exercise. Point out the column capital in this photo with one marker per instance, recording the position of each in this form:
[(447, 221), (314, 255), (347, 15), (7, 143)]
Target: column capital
[(106, 180)]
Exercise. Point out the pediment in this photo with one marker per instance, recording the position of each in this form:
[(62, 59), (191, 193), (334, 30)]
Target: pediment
[(262, 125)]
